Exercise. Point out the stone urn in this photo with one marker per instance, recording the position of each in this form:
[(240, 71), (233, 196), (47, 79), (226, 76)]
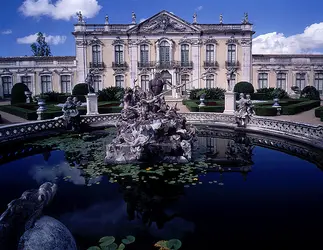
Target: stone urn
[(277, 105), (202, 99), (41, 109)]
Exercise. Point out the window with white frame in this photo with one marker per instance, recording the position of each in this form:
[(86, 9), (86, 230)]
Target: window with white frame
[(318, 82), (120, 81), (210, 81), (46, 83), (7, 85), (96, 54), (27, 81), (144, 82), (118, 50), (185, 54), (232, 53), (300, 80), (66, 83), (262, 80), (185, 79), (96, 83), (164, 52), (144, 51), (281, 80), (210, 53)]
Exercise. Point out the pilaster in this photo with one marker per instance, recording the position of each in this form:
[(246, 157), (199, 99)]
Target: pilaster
[(133, 67), (246, 66), (81, 59), (196, 63)]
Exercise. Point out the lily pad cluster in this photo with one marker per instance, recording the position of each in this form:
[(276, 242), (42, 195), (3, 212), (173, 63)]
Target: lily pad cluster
[(109, 243), (172, 244)]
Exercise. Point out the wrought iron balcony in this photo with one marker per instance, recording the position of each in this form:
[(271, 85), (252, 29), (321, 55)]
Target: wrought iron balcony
[(232, 64), (97, 65), (117, 65), (185, 64), (211, 64), (142, 65), (166, 65)]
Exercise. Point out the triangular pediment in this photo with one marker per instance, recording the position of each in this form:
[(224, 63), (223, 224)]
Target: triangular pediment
[(164, 22)]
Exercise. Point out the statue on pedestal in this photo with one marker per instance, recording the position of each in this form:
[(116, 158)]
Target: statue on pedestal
[(80, 17), (245, 111), (89, 80)]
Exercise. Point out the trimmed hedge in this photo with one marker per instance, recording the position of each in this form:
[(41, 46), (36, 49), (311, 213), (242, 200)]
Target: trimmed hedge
[(244, 87), (300, 107), (311, 93), (18, 93), (216, 106), (318, 111), (81, 89), (210, 94), (111, 94), (265, 110)]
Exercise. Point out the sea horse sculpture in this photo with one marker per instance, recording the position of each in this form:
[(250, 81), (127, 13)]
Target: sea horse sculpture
[(24, 227)]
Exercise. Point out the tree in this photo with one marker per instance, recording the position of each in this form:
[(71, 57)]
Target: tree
[(40, 48)]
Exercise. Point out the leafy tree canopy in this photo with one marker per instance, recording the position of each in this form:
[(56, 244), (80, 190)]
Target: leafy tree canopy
[(40, 47)]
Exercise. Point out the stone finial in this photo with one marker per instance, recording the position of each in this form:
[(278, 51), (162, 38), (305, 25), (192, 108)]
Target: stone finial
[(195, 18), (133, 17), (221, 18), (106, 19)]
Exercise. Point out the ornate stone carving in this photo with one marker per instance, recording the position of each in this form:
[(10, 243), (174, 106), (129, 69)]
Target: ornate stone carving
[(185, 71), (118, 41), (210, 40), (145, 71), (45, 71), (119, 71), (210, 70), (6, 71), (301, 68), (195, 18), (164, 23), (81, 43), (264, 68), (96, 41), (246, 42), (71, 115), (245, 111), (232, 40), (197, 41), (144, 40), (165, 39), (185, 40), (318, 67), (133, 18)]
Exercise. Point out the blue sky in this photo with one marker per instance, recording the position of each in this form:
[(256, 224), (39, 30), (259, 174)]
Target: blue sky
[(279, 24)]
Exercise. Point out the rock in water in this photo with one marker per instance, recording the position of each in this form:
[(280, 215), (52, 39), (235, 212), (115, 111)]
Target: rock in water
[(47, 234)]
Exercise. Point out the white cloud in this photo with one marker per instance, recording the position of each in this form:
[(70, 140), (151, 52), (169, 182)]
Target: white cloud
[(54, 40), (142, 20), (199, 8), (309, 41), (60, 9), (6, 32)]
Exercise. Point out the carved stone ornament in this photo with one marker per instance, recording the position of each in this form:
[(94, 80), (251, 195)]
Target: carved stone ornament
[(119, 71), (165, 39), (232, 40), (25, 71), (45, 71), (185, 40), (185, 71), (210, 40), (210, 71), (144, 71), (280, 68), (118, 41), (97, 70), (197, 41), (318, 67), (263, 68), (246, 42), (144, 40), (81, 42), (96, 41), (6, 72), (302, 68)]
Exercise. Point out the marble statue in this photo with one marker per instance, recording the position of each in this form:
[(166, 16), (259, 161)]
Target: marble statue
[(195, 18), (246, 18), (133, 17), (245, 110), (149, 129), (24, 227), (71, 114), (221, 19), (89, 80), (106, 19), (80, 17)]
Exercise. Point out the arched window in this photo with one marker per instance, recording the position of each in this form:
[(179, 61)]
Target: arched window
[(281, 81), (210, 53), (232, 50), (144, 82), (120, 81), (210, 81), (118, 51), (184, 55), (96, 54), (185, 79), (164, 53), (144, 51), (262, 80)]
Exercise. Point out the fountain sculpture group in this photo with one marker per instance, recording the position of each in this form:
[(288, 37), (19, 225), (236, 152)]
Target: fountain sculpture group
[(150, 130), (245, 110)]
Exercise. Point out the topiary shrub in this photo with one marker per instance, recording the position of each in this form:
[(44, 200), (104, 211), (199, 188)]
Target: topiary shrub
[(111, 94), (311, 93), (271, 93), (210, 94), (244, 87), (18, 93), (81, 89)]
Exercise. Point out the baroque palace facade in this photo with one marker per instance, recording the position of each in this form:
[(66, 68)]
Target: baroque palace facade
[(202, 55)]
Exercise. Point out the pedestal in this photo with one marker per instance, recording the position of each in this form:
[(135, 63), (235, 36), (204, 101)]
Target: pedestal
[(229, 103), (92, 104)]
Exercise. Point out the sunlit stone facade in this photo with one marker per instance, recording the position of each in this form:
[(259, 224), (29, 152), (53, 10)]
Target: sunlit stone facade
[(181, 51)]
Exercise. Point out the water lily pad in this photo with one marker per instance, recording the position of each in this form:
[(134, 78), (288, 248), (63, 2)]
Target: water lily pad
[(121, 246), (106, 241), (94, 248), (174, 244), (129, 239), (113, 246)]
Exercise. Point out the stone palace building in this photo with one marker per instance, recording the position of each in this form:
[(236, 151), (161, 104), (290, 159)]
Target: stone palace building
[(202, 55)]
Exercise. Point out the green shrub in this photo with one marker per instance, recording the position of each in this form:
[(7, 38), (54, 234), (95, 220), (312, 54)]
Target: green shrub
[(271, 93), (216, 109), (51, 97), (18, 93), (311, 93), (244, 87), (321, 116), (81, 89), (210, 94), (318, 111), (300, 107), (111, 94), (265, 110)]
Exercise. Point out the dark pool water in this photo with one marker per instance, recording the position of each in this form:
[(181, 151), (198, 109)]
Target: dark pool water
[(280, 199)]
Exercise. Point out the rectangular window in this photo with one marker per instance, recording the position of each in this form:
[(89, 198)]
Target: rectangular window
[(185, 79), (7, 85), (96, 83), (96, 54), (210, 53), (318, 82), (231, 53), (184, 55), (164, 53), (119, 54), (262, 80), (120, 81), (232, 81), (46, 84), (144, 50), (281, 81), (210, 81), (66, 84), (27, 81), (144, 82), (300, 80)]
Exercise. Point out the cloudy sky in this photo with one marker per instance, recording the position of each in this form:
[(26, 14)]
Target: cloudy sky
[(282, 26)]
